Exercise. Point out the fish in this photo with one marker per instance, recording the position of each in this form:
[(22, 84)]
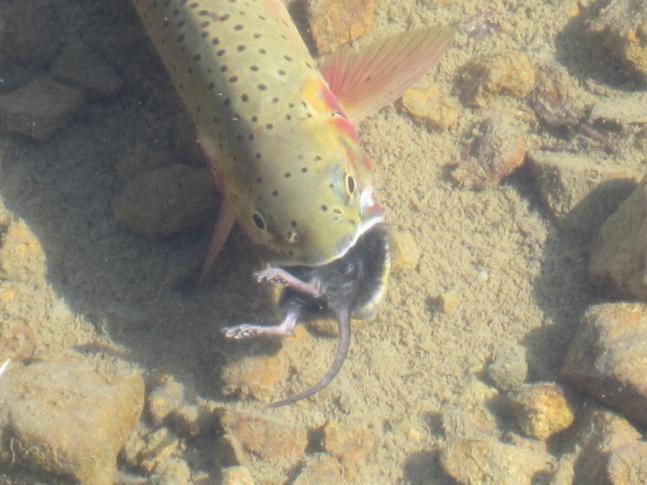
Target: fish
[(277, 129)]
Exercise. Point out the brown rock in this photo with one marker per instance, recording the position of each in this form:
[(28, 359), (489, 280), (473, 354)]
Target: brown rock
[(255, 377), (628, 464), (508, 369), (504, 73), (490, 462), (148, 452), (498, 151), (237, 475), (619, 252), (580, 193), (608, 357), (319, 470), (351, 445), (405, 252), (334, 23), (280, 444), (40, 109), (622, 27), (542, 410), (192, 421), (22, 310), (65, 419), (143, 159), (599, 433), (431, 106), (21, 256), (164, 399), (459, 423), (173, 471), (79, 65), (167, 201)]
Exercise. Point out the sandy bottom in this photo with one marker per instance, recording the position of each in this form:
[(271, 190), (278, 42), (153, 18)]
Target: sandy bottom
[(518, 278)]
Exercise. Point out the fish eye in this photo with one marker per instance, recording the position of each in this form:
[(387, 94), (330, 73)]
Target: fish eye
[(259, 221), (350, 184)]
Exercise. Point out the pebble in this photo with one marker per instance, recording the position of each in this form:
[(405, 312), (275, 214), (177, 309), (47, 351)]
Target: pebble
[(173, 471), (579, 191), (620, 28), (431, 106), (78, 64), (487, 461), (619, 251), (503, 73), (236, 475), (40, 109), (350, 444), (22, 258), (542, 409), (143, 159), (320, 469), (460, 423), (448, 302), (599, 434), (279, 444), (608, 357), (405, 252), (155, 448), (65, 419), (165, 398), (508, 368), (627, 109), (334, 23), (628, 464), (499, 150), (167, 201)]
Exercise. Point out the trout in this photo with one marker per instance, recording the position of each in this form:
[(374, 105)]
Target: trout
[(278, 129)]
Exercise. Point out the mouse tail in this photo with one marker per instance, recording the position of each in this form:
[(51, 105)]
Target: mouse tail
[(343, 323)]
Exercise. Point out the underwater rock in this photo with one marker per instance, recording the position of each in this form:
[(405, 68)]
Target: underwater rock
[(628, 464), (599, 434), (334, 23), (459, 423), (580, 192), (40, 109), (608, 357), (236, 475), (508, 369), (148, 451), (628, 109), (447, 302), (350, 444), (488, 461), (622, 28), (253, 438), (173, 471), (499, 149), (35, 36), (192, 420), (320, 469), (504, 73), (165, 398), (144, 159), (619, 252), (542, 410), (167, 201), (428, 104), (21, 314), (255, 377), (79, 65), (65, 419), (405, 252), (21, 256)]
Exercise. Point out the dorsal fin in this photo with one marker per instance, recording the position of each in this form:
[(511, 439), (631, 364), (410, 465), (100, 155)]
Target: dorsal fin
[(366, 80)]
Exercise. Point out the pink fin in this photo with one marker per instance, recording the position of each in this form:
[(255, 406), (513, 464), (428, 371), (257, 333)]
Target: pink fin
[(219, 236), (364, 81)]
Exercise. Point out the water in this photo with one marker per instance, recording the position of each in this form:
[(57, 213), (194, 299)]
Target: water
[(88, 285)]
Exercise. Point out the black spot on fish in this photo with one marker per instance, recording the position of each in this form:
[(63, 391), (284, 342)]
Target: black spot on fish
[(215, 41), (257, 36), (324, 208), (240, 48), (275, 193), (211, 85), (287, 175), (197, 57), (304, 169), (224, 17), (205, 24), (254, 119), (262, 87), (221, 52), (238, 27), (282, 73), (269, 126), (223, 68), (262, 51), (253, 68), (287, 58), (244, 98), (233, 79)]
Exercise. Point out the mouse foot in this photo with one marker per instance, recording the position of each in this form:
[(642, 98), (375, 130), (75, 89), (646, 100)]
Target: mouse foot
[(282, 277), (247, 330)]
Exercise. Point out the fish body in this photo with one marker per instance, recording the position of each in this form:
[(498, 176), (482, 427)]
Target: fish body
[(285, 155)]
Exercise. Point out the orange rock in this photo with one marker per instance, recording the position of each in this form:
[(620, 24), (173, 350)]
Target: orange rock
[(431, 106), (351, 445), (21, 256), (542, 410), (334, 23), (322, 469)]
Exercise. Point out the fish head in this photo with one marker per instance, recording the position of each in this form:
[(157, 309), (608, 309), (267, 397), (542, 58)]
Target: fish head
[(313, 196)]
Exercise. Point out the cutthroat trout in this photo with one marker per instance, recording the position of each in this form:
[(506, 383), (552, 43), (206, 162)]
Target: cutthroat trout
[(278, 129)]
